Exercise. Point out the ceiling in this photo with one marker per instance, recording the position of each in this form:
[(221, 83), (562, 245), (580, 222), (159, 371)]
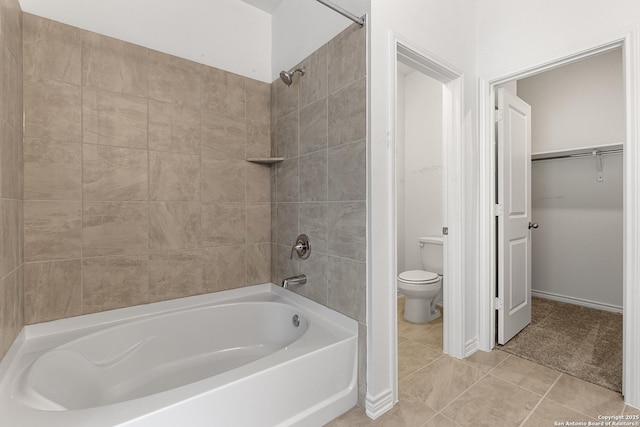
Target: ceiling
[(267, 5)]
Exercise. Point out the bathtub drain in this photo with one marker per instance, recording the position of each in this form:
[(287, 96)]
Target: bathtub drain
[(296, 320)]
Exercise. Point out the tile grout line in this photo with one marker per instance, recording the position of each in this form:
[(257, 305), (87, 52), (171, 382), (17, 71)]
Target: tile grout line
[(486, 374), (421, 368), (488, 370), (443, 416), (540, 401), (299, 192), (82, 85), (246, 184), (573, 409), (147, 66), (525, 389)]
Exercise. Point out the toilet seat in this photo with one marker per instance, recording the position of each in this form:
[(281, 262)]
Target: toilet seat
[(418, 277)]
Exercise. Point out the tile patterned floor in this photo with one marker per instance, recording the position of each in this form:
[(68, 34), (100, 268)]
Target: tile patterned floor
[(485, 389)]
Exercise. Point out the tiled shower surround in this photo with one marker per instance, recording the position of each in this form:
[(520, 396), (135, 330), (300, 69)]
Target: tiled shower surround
[(11, 241), (136, 186), (319, 126)]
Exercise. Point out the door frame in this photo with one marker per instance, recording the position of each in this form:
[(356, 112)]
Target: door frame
[(486, 249), (451, 79), (431, 65)]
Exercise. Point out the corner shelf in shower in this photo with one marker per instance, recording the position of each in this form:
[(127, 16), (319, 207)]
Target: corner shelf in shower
[(265, 160)]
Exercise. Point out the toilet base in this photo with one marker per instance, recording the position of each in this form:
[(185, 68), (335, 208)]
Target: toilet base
[(420, 310)]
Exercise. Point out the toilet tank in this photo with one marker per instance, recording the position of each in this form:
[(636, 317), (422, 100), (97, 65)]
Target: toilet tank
[(431, 253)]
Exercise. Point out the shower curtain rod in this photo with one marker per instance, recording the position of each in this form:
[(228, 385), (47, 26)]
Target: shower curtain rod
[(343, 12)]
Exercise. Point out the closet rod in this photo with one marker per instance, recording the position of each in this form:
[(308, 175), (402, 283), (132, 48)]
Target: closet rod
[(570, 156)]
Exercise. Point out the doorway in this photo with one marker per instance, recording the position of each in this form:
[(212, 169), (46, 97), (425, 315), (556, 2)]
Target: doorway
[(488, 258), (451, 82), (576, 219), (419, 212), (419, 185)]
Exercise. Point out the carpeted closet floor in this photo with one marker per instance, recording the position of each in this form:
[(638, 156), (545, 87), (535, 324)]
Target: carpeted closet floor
[(576, 340)]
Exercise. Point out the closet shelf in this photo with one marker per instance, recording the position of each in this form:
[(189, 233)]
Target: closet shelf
[(576, 151), (265, 160)]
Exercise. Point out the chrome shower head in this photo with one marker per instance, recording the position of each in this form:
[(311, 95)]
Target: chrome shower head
[(287, 76)]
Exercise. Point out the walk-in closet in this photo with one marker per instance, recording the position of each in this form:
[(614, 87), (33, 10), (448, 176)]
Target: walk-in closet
[(577, 146)]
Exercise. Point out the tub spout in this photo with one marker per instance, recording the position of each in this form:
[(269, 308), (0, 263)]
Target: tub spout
[(295, 280)]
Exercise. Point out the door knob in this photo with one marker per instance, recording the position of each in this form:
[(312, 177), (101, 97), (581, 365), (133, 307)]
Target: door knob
[(533, 225)]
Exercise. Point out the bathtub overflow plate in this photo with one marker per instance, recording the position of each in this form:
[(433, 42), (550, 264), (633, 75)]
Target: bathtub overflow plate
[(296, 320)]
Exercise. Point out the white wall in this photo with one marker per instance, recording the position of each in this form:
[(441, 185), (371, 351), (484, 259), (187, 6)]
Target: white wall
[(515, 35), (577, 251), (447, 30), (226, 34), (578, 105), (421, 210), (401, 226)]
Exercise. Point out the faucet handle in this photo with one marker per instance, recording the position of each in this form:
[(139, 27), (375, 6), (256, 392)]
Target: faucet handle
[(302, 247), (299, 247)]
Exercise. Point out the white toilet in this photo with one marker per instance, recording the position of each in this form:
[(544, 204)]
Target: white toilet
[(423, 288)]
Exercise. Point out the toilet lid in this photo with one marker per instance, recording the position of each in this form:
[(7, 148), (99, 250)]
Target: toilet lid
[(417, 276)]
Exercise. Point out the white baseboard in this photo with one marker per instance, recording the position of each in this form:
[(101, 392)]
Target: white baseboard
[(471, 347), (577, 301), (378, 405)]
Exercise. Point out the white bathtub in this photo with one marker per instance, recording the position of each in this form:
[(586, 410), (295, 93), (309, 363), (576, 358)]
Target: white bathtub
[(256, 356)]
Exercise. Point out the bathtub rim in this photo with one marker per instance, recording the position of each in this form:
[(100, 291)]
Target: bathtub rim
[(112, 317), (73, 327)]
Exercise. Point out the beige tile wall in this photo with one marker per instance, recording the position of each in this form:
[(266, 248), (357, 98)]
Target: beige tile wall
[(319, 127), (135, 181), (11, 184)]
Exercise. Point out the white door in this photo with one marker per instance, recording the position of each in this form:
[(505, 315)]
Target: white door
[(514, 215)]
